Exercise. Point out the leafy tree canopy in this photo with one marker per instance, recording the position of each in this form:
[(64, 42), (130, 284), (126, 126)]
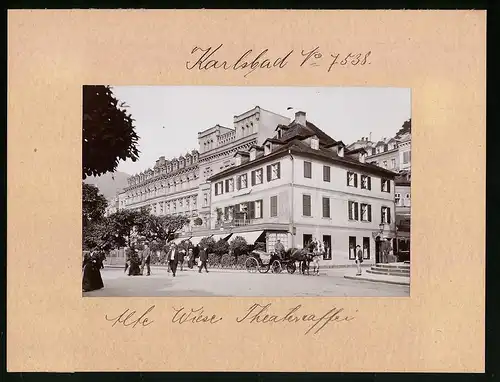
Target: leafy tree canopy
[(221, 247), (238, 246), (406, 128), (93, 204), (209, 243), (108, 132)]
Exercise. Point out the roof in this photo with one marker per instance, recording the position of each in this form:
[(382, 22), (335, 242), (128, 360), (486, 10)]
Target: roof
[(244, 153), (296, 130), (358, 150), (300, 148), (273, 140)]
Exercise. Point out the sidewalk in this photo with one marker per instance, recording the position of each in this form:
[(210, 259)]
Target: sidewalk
[(397, 280)]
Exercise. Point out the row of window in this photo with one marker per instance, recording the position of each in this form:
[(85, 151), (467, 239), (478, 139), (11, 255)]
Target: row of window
[(327, 242), (254, 210), (256, 177), (366, 182)]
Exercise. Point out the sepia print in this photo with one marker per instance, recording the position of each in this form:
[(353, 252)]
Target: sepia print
[(256, 207)]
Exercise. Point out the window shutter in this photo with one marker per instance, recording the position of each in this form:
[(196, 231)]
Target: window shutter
[(369, 212), (251, 210), (278, 170), (347, 177), (388, 216), (269, 173), (382, 184), (388, 186), (369, 182), (261, 208), (226, 213), (382, 215), (349, 208), (227, 185), (238, 182), (356, 207), (274, 206), (253, 178), (355, 180)]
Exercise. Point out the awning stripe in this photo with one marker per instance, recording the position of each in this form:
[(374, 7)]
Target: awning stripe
[(250, 237)]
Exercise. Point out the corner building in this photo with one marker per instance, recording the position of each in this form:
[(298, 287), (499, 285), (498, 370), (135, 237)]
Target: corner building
[(302, 184)]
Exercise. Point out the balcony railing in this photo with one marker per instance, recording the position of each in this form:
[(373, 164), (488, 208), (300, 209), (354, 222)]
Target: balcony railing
[(236, 223)]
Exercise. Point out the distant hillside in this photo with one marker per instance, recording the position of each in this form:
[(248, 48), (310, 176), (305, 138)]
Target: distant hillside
[(107, 185)]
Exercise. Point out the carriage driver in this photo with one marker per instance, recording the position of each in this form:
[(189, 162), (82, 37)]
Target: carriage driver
[(279, 248)]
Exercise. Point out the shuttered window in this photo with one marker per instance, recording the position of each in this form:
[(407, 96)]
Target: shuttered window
[(307, 170), (353, 208), (326, 173), (326, 207), (274, 206), (306, 205)]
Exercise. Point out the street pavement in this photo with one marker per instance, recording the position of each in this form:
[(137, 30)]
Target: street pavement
[(219, 282)]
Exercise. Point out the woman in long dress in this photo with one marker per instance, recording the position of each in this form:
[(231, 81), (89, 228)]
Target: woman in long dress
[(91, 279)]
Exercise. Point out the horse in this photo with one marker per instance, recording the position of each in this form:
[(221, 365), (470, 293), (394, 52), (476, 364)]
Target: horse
[(303, 256)]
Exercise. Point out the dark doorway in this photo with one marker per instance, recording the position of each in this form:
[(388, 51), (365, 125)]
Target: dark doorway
[(378, 243), (327, 239), (306, 240)]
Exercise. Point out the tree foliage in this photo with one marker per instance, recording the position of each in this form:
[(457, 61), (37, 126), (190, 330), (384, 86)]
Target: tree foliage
[(198, 221), (221, 247), (406, 128), (108, 132), (93, 204), (209, 243), (238, 246)]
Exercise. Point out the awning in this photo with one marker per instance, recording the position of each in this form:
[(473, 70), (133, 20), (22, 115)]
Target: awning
[(221, 236), (179, 240), (250, 237), (196, 239)]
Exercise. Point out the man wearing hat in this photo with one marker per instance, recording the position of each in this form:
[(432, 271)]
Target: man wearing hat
[(173, 258)]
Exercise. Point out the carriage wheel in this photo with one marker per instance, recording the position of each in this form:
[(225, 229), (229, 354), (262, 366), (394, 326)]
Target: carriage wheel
[(276, 267), (251, 264), (291, 268), (263, 268)]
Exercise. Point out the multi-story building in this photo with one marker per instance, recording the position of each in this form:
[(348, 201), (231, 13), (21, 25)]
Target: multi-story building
[(395, 154), (169, 188), (112, 207), (302, 184), (179, 186)]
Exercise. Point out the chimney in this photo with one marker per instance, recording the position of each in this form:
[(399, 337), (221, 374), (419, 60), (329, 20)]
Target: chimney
[(300, 118)]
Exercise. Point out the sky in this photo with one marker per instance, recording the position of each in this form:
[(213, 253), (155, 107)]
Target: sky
[(168, 118)]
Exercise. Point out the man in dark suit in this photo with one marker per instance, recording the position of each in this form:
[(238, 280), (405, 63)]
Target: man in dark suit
[(173, 257), (203, 259)]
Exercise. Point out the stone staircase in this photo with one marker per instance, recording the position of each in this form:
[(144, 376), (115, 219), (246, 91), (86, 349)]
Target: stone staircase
[(391, 269)]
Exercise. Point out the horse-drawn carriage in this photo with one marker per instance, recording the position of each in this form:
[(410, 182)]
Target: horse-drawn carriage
[(264, 262)]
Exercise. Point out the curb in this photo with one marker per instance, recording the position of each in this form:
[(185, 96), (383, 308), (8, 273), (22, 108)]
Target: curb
[(377, 280)]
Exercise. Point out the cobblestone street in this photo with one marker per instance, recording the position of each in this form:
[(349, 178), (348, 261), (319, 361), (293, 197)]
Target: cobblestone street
[(218, 282)]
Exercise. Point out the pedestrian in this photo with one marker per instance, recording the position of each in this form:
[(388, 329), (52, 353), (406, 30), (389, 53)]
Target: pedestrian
[(203, 259), (146, 254), (127, 258), (173, 258), (191, 258), (359, 259), (182, 254), (196, 254)]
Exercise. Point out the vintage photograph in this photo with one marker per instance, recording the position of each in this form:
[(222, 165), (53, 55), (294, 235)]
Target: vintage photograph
[(246, 191)]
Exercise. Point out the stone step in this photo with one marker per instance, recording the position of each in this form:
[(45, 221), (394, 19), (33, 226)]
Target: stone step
[(389, 266), (387, 269), (388, 273)]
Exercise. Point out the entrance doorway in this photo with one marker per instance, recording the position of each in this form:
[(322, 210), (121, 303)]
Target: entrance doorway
[(306, 240)]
